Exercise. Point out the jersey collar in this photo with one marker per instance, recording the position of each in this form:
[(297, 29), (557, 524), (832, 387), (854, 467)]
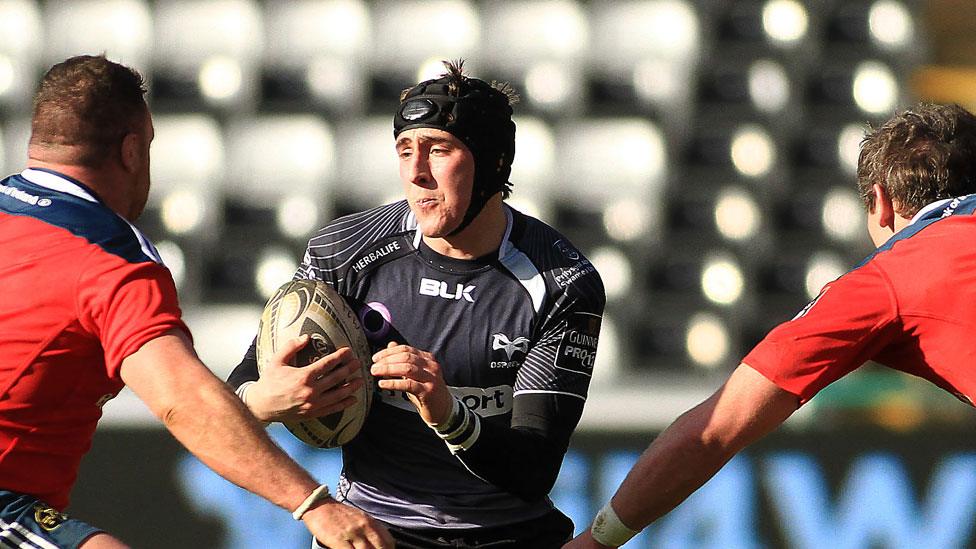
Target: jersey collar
[(50, 179)]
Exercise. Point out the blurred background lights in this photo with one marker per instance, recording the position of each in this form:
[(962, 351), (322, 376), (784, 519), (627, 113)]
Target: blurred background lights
[(849, 147), (182, 211), (890, 24), (614, 269), (843, 215), (174, 259), (275, 267), (220, 78), (330, 78), (707, 340), (753, 152), (722, 281), (822, 268), (548, 84), (785, 21), (875, 88), (659, 80), (610, 362), (431, 68), (769, 86), (737, 216), (626, 220), (297, 216)]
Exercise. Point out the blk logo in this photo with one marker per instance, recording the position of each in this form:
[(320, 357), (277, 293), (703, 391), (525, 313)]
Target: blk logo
[(439, 288)]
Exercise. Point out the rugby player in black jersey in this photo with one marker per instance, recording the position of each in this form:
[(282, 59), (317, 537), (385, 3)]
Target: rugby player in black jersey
[(484, 323)]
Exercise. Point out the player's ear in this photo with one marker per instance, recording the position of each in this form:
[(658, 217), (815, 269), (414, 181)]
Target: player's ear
[(131, 152), (883, 207)]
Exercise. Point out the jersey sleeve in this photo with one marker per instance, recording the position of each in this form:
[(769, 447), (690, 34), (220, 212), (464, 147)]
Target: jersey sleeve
[(851, 320), (561, 360), (126, 304)]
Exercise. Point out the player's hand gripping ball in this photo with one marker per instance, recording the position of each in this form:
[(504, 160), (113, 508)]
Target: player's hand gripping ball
[(312, 307)]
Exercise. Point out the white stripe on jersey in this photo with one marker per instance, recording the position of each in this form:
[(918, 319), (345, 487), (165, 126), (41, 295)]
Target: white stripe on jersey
[(522, 267), (22, 537), (56, 183), (537, 391)]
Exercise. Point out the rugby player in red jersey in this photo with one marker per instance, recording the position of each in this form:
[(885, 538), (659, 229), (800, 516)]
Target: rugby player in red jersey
[(86, 307), (908, 306)]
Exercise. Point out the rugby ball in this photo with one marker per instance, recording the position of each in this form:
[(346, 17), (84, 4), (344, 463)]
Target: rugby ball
[(312, 307)]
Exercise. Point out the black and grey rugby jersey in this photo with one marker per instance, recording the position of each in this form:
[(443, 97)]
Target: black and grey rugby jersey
[(515, 334)]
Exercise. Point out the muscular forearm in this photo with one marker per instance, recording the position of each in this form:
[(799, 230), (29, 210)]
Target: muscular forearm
[(699, 443), (204, 415), (676, 464), (214, 425)]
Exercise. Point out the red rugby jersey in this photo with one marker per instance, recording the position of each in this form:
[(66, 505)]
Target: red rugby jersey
[(908, 306), (80, 290)]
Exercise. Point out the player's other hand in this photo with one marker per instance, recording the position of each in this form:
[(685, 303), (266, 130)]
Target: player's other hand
[(325, 386), (418, 374), (339, 526), (585, 541)]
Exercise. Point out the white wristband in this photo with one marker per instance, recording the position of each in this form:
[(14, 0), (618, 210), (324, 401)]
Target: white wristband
[(316, 496), (608, 529)]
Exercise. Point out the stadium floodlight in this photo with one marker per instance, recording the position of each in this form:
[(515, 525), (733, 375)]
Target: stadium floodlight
[(627, 219), (843, 215), (274, 266), (769, 86), (221, 331), (707, 340), (785, 22), (822, 267), (534, 167), (753, 151), (875, 88), (182, 211), (890, 25), (175, 260), (23, 41), (737, 216), (722, 281), (849, 147), (297, 215), (615, 270)]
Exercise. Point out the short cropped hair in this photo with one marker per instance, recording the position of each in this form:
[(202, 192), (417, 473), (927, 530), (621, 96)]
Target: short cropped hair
[(923, 154), (88, 103)]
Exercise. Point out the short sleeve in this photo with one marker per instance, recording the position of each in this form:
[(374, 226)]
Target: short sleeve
[(561, 360), (127, 304), (851, 320)]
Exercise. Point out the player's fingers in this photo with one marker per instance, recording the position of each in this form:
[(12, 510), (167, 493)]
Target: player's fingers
[(330, 361), (329, 378), (391, 348), (286, 354), (405, 385), (331, 407)]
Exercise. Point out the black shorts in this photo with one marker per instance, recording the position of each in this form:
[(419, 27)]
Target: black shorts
[(27, 522), (549, 531)]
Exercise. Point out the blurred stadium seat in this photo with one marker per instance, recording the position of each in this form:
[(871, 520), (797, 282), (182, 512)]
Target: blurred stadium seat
[(317, 55), (207, 54), (121, 29), (20, 52)]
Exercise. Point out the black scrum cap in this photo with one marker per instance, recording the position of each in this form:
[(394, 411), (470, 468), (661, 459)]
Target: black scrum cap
[(474, 111)]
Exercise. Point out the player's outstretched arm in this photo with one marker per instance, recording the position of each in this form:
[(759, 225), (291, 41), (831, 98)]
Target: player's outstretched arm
[(213, 424), (692, 450)]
